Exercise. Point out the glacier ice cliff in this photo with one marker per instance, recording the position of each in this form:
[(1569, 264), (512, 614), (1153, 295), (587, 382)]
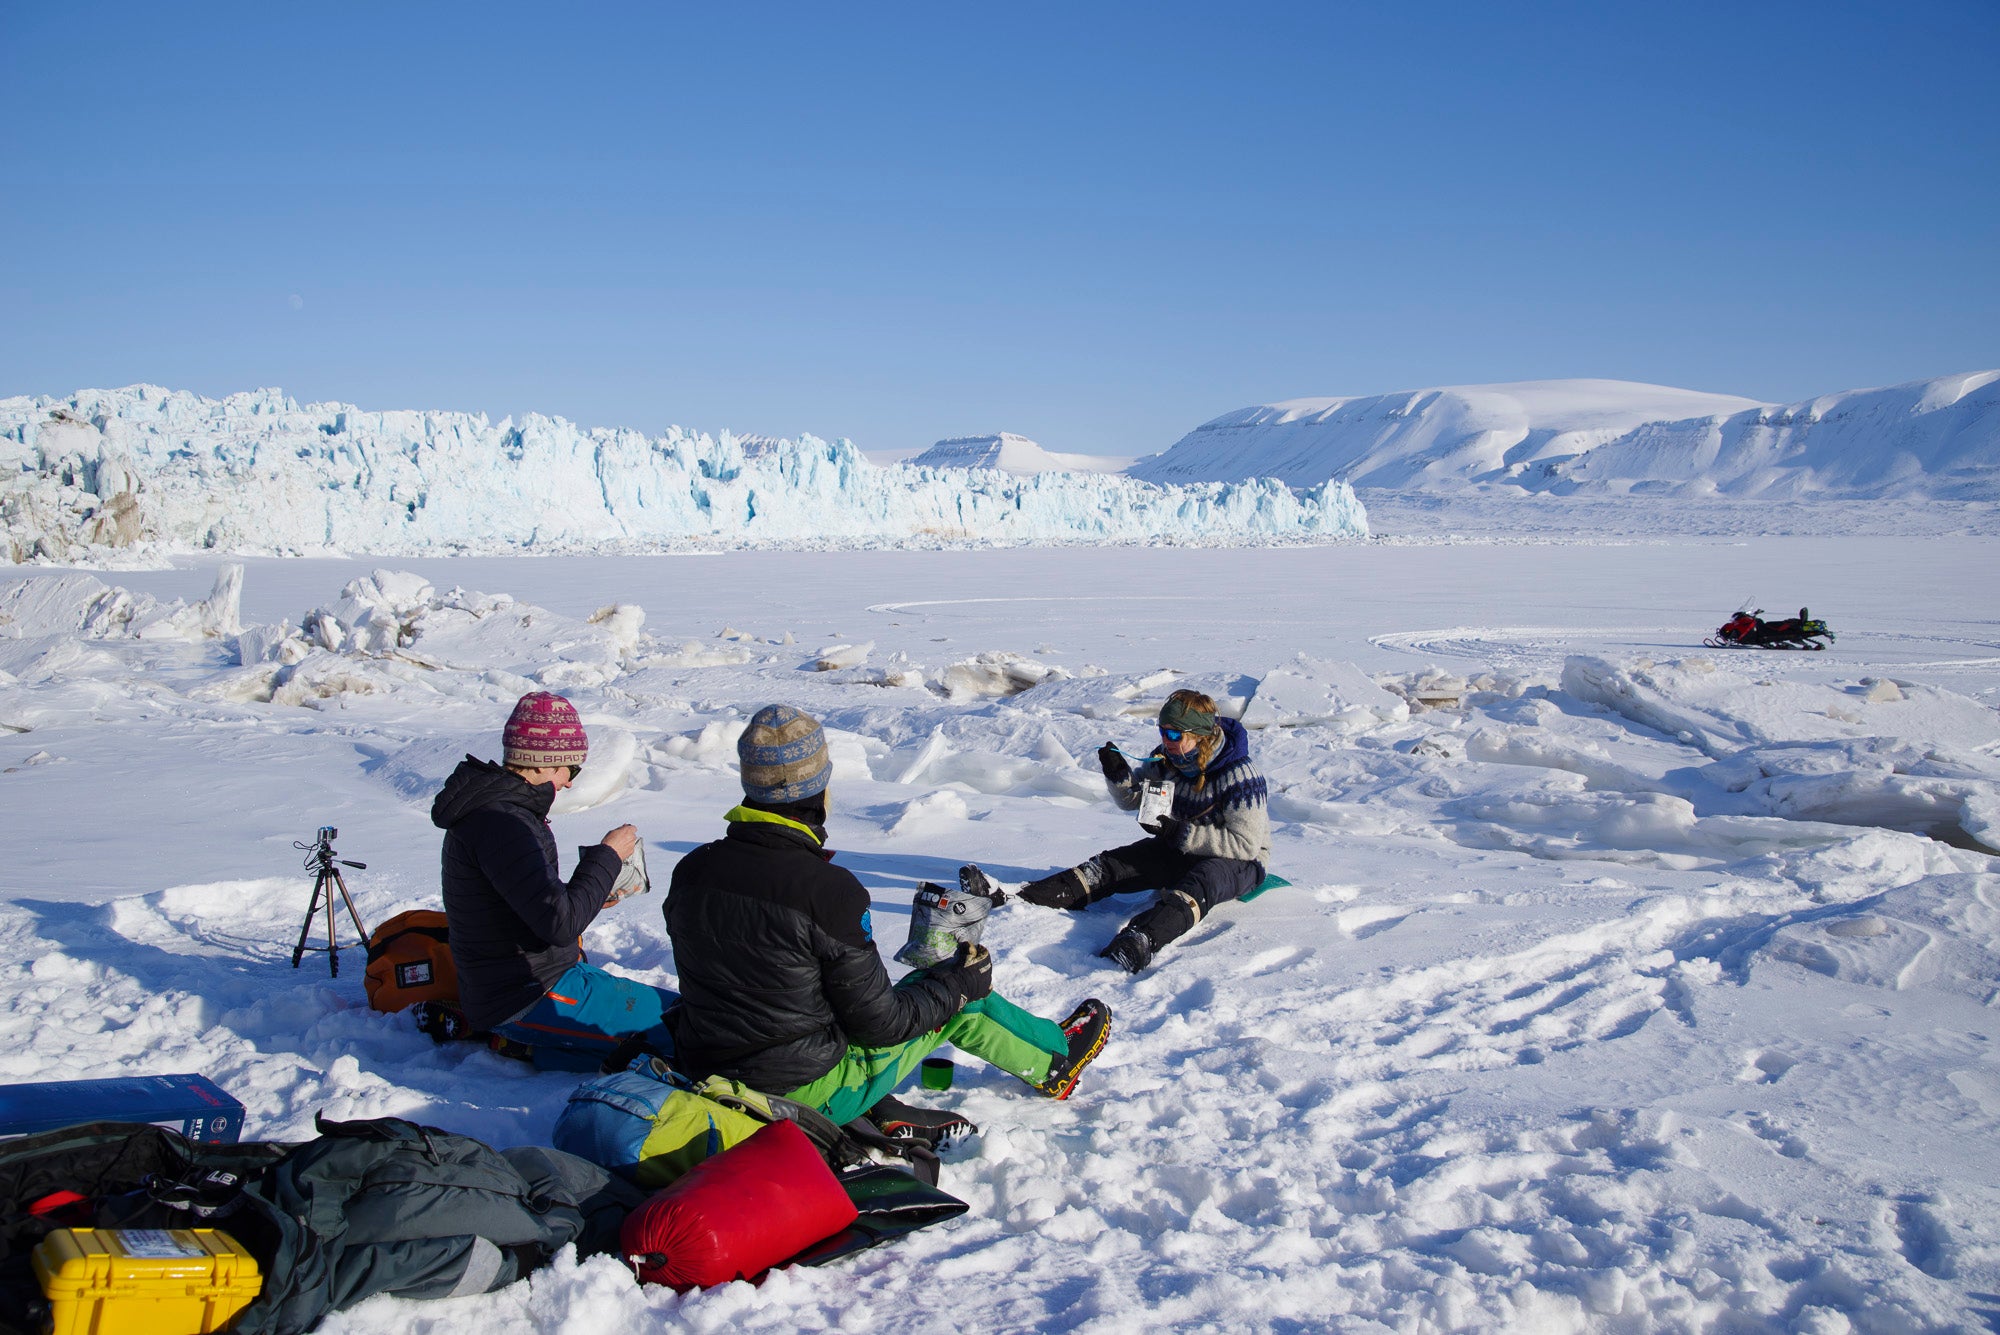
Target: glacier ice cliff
[(153, 472)]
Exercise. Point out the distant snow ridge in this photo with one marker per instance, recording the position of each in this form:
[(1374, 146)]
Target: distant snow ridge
[(1930, 439), (1008, 453), (165, 471)]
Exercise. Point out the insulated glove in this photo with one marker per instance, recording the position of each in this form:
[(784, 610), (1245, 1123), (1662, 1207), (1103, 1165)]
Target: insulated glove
[(1113, 762), (970, 971), (1169, 829)]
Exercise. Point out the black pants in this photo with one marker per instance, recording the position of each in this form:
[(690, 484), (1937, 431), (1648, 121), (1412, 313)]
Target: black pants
[(1189, 885)]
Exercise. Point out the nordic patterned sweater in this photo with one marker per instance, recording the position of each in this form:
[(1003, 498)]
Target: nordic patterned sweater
[(1229, 818)]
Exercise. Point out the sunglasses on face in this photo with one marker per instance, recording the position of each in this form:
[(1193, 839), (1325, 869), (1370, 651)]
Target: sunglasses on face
[(1170, 734), (574, 770)]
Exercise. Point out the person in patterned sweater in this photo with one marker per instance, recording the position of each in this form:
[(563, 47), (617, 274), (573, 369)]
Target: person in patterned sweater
[(1209, 848)]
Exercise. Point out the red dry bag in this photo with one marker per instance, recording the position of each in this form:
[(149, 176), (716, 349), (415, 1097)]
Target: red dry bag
[(734, 1216)]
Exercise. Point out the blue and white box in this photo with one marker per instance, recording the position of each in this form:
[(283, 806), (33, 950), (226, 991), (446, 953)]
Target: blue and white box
[(193, 1105)]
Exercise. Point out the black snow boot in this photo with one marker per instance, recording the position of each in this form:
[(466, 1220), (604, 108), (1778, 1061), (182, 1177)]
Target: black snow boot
[(1131, 950), (444, 1022), (511, 1048), (1087, 1028), (1172, 914), (973, 881), (1064, 890), (930, 1127)]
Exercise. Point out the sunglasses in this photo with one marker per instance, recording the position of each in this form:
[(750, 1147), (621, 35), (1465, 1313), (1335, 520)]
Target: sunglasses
[(1170, 734), (574, 770)]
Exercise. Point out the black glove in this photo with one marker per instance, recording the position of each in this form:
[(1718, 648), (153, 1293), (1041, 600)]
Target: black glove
[(1169, 829), (1113, 762), (970, 971)]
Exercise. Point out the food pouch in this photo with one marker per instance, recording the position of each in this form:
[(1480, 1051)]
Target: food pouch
[(941, 921)]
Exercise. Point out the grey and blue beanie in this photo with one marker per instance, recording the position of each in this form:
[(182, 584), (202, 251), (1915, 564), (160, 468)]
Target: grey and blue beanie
[(783, 756)]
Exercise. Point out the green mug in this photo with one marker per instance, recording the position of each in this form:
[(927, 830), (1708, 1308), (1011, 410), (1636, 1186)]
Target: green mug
[(935, 1073)]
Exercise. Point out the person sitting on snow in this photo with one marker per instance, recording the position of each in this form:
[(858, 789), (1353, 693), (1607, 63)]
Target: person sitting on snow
[(513, 921), (1210, 848), (781, 984)]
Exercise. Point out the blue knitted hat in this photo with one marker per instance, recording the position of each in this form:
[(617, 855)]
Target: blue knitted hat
[(783, 756)]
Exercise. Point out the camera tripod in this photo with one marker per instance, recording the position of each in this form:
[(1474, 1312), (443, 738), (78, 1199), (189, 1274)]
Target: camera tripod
[(327, 878)]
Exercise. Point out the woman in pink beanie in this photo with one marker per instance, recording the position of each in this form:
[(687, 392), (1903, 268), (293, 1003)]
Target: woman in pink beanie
[(514, 921)]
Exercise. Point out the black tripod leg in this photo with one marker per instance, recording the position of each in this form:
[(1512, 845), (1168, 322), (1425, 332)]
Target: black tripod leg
[(299, 950), (348, 899)]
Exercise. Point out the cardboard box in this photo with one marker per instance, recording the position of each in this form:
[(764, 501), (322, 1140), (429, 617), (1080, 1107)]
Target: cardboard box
[(154, 1281), (193, 1105)]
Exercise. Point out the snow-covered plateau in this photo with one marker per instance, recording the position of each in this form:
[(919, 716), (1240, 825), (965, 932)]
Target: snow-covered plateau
[(1931, 439), (1621, 986), (1010, 453), (118, 476)]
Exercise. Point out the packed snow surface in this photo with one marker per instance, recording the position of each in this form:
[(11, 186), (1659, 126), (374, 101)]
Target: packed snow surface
[(1622, 985), (145, 471), (1929, 439)]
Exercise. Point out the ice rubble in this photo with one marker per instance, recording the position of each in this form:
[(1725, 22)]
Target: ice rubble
[(396, 624), (1310, 690), (85, 606), (1894, 754), (163, 471)]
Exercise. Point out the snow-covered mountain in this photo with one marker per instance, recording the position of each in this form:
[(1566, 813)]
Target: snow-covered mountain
[(1010, 453), (1928, 439), (167, 471)]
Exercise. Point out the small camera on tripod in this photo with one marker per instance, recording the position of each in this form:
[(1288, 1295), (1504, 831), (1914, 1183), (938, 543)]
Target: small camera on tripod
[(320, 851), (321, 860)]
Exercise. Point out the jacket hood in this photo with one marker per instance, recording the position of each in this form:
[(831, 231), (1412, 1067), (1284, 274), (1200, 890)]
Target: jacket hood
[(477, 784), (1235, 746)]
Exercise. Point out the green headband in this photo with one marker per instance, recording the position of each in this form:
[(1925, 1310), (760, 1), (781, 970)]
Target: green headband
[(1184, 717)]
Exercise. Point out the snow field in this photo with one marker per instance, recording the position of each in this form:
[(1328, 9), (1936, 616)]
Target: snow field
[(1621, 986)]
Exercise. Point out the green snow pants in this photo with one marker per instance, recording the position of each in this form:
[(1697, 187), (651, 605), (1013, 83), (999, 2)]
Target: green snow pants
[(992, 1029)]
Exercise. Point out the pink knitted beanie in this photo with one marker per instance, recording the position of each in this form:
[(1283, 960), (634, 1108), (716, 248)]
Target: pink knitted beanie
[(543, 731)]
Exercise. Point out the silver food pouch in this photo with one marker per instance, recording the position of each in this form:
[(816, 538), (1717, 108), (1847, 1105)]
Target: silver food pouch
[(632, 878), (1156, 800), (941, 921)]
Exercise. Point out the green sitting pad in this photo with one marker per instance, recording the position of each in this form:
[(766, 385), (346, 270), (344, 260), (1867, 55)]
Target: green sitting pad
[(1268, 883)]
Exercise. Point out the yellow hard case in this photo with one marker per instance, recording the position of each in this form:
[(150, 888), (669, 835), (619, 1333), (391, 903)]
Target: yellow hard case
[(114, 1281)]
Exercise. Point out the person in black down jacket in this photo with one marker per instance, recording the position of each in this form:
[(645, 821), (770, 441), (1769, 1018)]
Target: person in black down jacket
[(514, 922), (781, 985)]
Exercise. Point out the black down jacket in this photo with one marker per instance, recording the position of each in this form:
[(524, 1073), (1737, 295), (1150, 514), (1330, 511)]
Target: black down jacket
[(778, 968), (514, 922)]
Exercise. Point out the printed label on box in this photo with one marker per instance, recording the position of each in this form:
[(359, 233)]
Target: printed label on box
[(156, 1244)]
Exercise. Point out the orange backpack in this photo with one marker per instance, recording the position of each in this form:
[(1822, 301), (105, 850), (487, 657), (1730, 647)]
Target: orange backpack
[(409, 961)]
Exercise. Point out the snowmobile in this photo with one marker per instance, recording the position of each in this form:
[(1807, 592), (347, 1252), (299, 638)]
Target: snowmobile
[(1749, 630)]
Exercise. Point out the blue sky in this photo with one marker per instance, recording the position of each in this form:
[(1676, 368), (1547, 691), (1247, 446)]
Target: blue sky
[(1096, 225)]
